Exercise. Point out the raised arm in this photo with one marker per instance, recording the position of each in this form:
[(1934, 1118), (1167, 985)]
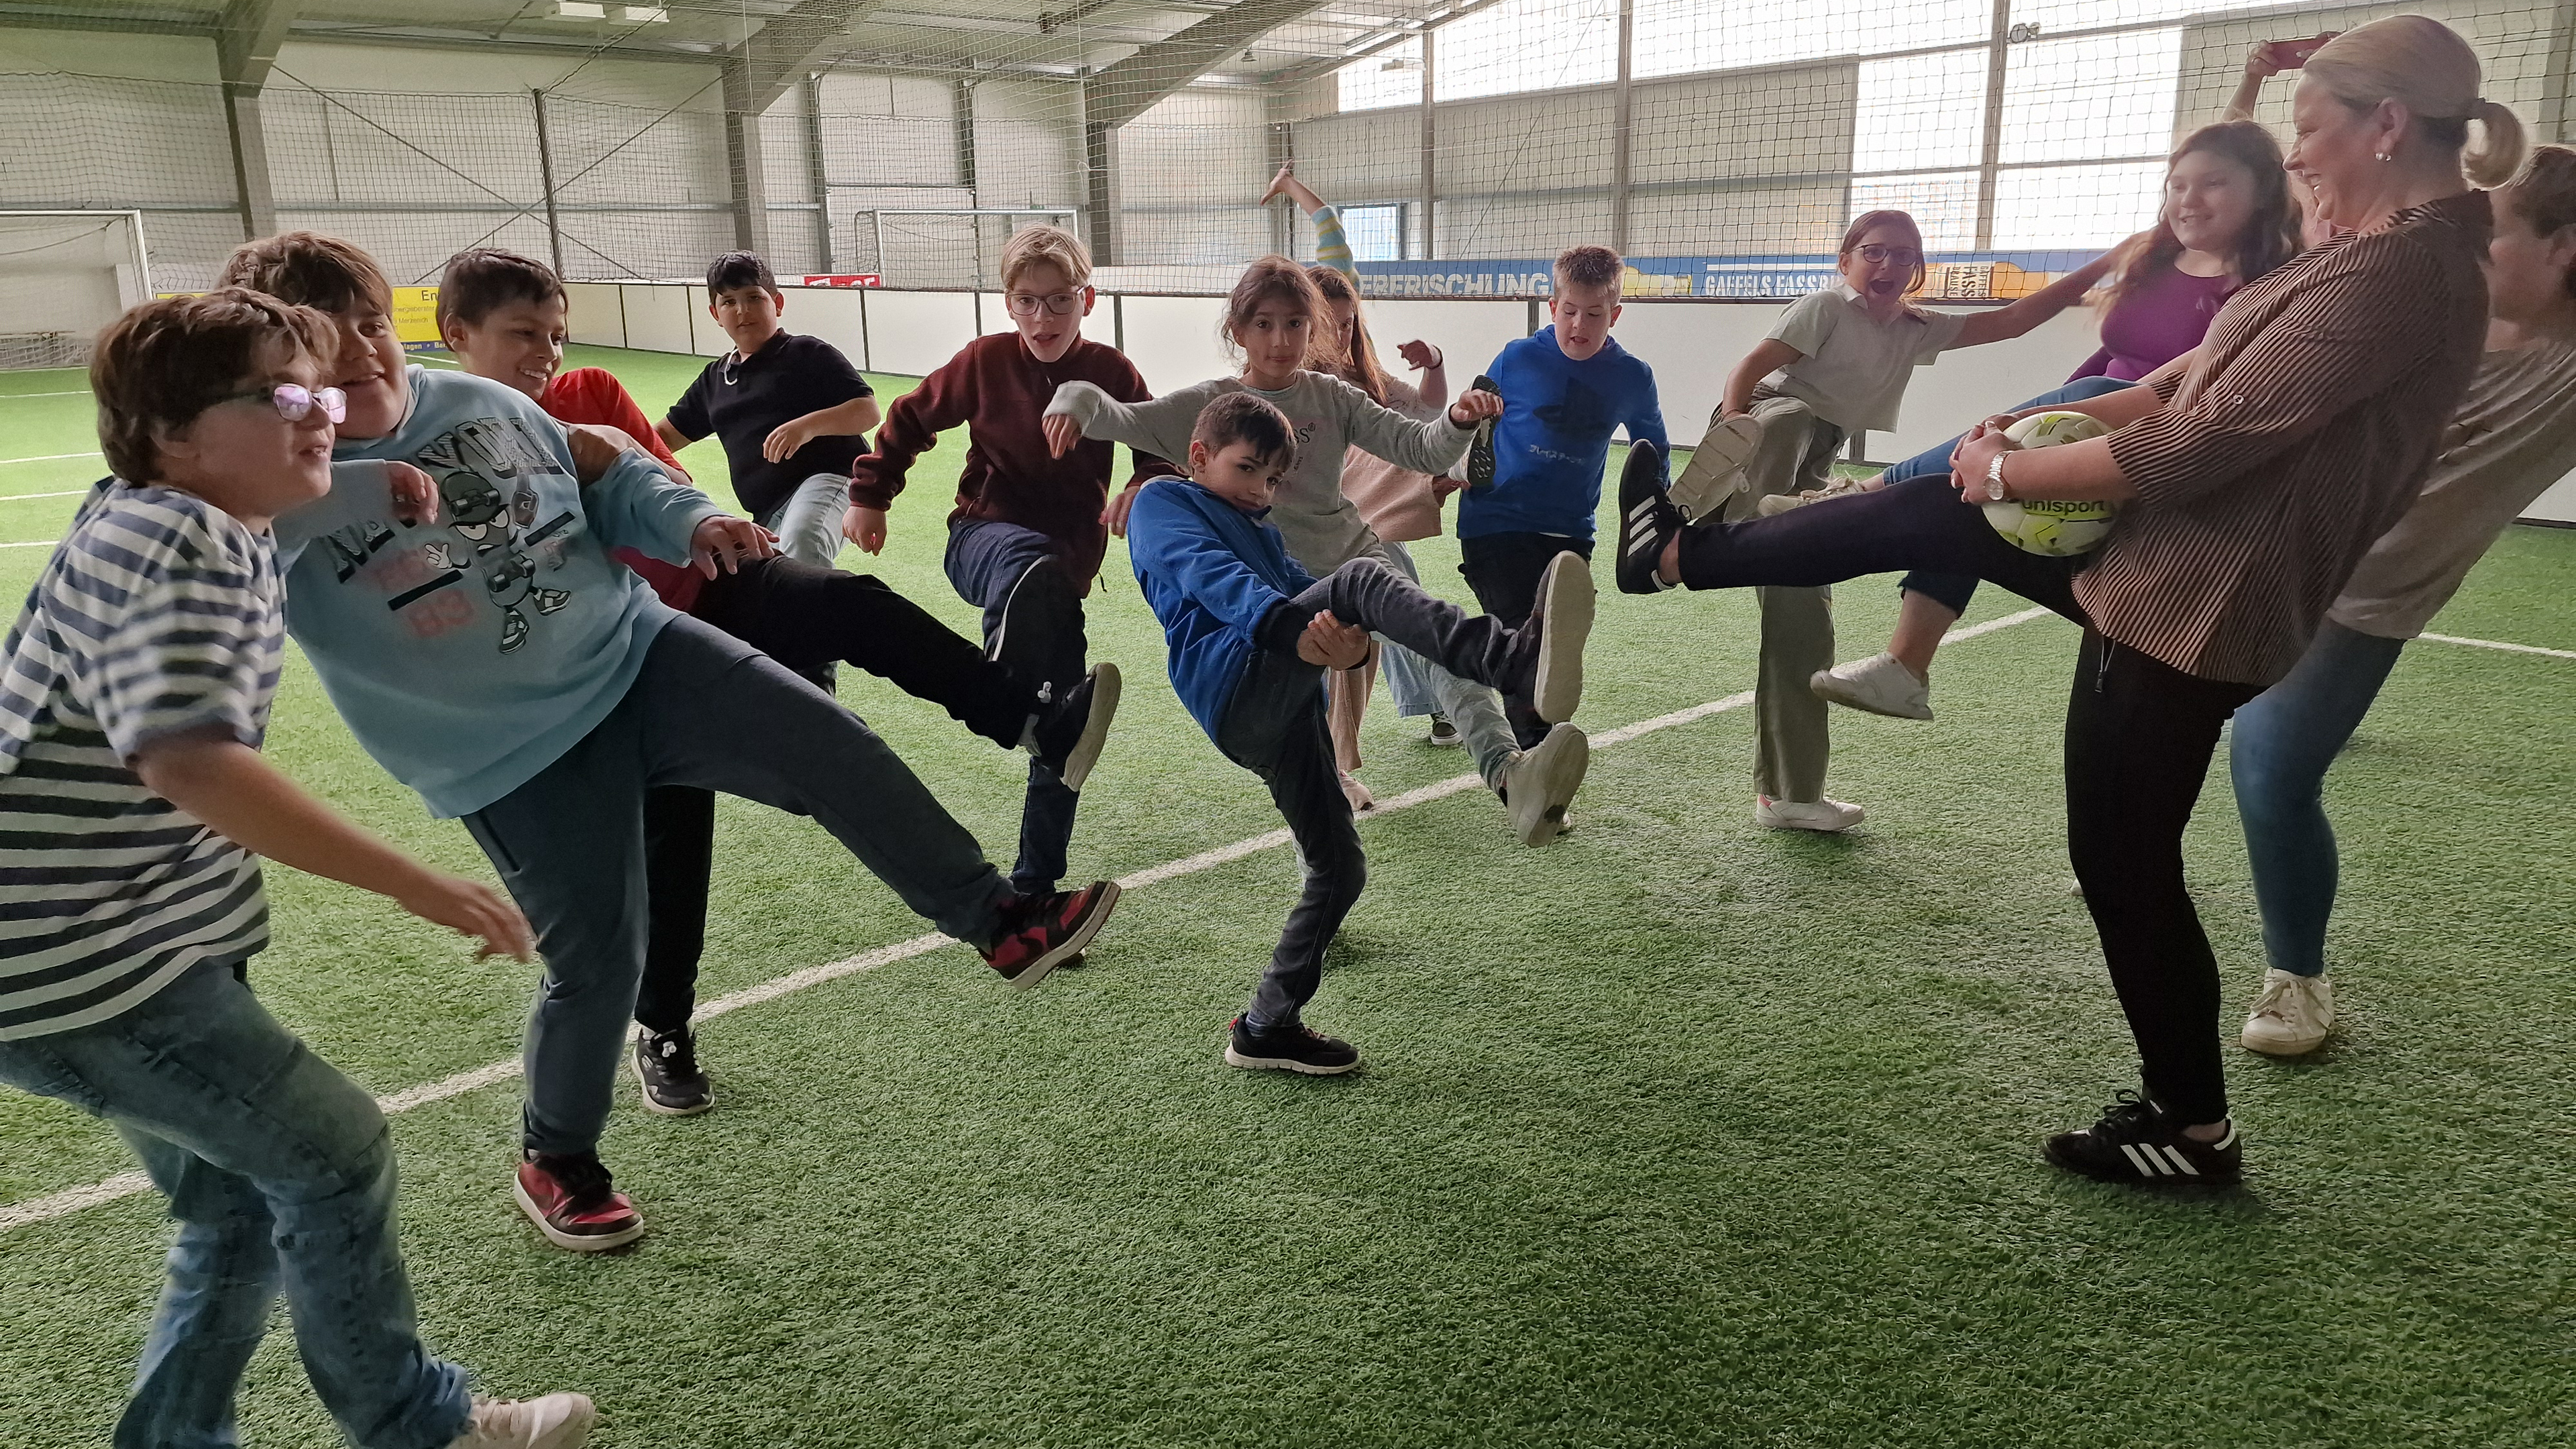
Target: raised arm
[(1332, 248), (2019, 317), (1427, 445), (1160, 426)]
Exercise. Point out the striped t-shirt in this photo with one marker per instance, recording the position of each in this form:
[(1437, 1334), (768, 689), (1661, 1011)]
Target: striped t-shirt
[(159, 615)]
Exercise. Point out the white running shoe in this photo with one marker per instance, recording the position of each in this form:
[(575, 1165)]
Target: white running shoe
[(2292, 1016), (1540, 782), (1716, 468), (557, 1421), (1878, 684), (1825, 816)]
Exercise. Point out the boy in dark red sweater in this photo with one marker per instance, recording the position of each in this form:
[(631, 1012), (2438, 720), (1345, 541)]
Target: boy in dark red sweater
[(503, 315), (1029, 530)]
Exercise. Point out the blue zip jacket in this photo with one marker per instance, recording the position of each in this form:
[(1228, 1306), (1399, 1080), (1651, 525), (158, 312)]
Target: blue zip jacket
[(1553, 439), (469, 654), (1212, 573)]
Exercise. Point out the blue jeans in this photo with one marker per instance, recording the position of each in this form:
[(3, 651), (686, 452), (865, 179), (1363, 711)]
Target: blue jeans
[(985, 559), (2283, 743), (1955, 590), (808, 523), (280, 1172)]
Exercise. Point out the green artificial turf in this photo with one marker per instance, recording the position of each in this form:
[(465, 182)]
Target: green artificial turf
[(1674, 1133)]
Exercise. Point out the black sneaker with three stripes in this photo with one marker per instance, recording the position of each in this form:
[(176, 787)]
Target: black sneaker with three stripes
[(2139, 1143), (1647, 521)]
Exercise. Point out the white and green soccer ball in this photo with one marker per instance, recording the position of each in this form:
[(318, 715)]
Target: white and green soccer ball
[(2054, 527)]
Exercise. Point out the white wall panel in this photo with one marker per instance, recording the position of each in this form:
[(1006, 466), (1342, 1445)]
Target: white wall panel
[(835, 314), (992, 313), (913, 332), (1173, 342), (1691, 346), (595, 315), (1468, 334), (657, 318), (1963, 386), (2558, 505), (706, 338)]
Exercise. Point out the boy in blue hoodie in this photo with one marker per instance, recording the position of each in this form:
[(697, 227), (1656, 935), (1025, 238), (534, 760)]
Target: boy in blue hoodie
[(1249, 635), (1534, 474), (498, 661)]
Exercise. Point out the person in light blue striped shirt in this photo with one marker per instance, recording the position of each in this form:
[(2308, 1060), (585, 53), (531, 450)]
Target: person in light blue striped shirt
[(134, 807)]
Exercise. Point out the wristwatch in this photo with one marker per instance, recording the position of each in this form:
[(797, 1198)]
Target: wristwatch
[(1995, 492)]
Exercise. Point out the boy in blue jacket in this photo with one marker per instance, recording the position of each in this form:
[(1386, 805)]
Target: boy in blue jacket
[(1534, 474), (1250, 634), (502, 664)]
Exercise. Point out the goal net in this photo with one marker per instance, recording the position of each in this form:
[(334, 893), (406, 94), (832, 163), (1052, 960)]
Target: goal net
[(63, 276)]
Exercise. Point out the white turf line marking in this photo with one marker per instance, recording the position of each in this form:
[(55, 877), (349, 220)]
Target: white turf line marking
[(51, 457), (2497, 644), (17, 497)]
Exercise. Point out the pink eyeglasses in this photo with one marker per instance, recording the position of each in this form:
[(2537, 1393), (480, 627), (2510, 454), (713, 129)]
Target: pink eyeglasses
[(295, 402)]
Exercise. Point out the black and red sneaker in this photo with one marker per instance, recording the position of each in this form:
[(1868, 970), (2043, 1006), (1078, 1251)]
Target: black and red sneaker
[(568, 1196), (2139, 1143), (1040, 933)]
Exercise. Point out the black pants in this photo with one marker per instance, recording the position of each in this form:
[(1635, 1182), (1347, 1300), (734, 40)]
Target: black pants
[(1504, 570), (2139, 736), (804, 617)]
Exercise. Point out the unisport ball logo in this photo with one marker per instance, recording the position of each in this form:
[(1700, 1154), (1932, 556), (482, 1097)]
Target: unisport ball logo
[(2054, 527)]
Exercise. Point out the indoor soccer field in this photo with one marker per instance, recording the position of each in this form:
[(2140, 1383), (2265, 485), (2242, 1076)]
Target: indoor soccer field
[(1677, 1132)]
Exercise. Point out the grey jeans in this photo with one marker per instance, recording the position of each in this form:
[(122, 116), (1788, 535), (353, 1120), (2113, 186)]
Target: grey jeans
[(808, 524), (1274, 727), (707, 710)]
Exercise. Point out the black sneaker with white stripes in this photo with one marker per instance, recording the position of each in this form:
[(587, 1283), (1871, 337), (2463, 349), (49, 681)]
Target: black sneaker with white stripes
[(1480, 449), (2139, 1143), (1647, 521)]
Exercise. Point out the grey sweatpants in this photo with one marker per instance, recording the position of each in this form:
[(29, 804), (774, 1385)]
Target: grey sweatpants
[(1792, 743), (711, 711)]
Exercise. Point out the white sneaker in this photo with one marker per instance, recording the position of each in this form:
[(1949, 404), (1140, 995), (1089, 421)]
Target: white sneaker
[(2292, 1016), (1716, 468), (1826, 816), (557, 1421), (1540, 782), (1878, 684)]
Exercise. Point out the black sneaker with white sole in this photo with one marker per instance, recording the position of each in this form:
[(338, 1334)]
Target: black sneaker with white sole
[(1069, 733), (2139, 1143), (1293, 1048), (666, 1064), (1647, 521), (1480, 449)]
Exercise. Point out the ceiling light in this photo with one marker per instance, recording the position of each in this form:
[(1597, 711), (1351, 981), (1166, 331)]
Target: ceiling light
[(644, 14), (580, 10)]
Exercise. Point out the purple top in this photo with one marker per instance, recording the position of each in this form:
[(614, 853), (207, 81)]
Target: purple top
[(2159, 321)]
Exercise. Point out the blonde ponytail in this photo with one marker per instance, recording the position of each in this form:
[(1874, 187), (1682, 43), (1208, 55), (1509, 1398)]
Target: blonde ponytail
[(2425, 66), (2499, 154)]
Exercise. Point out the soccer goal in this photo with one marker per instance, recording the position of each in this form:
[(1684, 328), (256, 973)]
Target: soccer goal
[(63, 276), (944, 246)]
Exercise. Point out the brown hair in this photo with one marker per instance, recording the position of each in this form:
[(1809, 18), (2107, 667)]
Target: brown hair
[(478, 279), (1042, 245), (161, 364), (309, 270), (2425, 66), (1590, 267), (1270, 279), (2271, 234), (1863, 224), (2545, 196), (1243, 417), (1352, 358)]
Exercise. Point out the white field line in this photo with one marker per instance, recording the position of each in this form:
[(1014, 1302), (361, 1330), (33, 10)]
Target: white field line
[(51, 457), (74, 392), (66, 493), (2498, 644)]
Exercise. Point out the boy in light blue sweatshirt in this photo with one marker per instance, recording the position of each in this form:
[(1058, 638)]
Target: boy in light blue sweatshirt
[(1249, 635), (498, 661)]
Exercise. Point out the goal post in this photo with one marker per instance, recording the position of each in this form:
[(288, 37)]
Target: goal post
[(874, 219), (63, 276)]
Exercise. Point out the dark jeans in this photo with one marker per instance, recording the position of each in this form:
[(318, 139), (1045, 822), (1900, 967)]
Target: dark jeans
[(1274, 726), (985, 560), (1919, 524), (806, 618), (1956, 590), (711, 712), (1504, 570), (2139, 736)]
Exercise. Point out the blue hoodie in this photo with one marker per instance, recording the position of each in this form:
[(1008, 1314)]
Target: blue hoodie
[(1213, 574), (470, 654), (1553, 438)]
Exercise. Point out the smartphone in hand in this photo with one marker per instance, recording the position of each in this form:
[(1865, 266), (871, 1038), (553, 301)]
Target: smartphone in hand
[(2293, 54)]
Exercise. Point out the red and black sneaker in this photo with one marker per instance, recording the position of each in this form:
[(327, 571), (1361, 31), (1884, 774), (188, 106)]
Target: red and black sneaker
[(1040, 933), (568, 1196)]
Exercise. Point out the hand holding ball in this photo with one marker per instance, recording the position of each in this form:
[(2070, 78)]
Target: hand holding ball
[(2054, 527)]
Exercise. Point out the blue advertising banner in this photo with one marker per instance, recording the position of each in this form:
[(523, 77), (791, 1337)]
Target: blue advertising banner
[(1975, 276)]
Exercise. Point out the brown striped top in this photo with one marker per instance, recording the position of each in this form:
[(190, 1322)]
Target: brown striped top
[(2302, 430)]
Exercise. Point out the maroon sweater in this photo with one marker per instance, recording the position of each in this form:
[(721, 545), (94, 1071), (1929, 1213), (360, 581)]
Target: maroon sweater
[(1000, 393)]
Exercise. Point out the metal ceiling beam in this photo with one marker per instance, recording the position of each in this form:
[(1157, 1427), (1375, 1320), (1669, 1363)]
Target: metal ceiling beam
[(787, 47), (247, 38), (1126, 90)]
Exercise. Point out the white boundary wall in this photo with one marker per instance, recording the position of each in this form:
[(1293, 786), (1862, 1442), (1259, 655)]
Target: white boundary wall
[(1690, 344)]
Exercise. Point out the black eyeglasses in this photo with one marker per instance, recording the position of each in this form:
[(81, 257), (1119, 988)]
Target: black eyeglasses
[(1026, 304), (1875, 252), (295, 402)]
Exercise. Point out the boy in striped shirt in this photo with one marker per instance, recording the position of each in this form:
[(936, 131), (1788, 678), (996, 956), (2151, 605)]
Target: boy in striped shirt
[(134, 807)]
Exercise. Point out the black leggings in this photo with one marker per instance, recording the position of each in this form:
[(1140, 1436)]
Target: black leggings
[(1919, 524)]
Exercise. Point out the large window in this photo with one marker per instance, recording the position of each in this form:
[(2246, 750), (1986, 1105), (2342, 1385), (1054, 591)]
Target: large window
[(1679, 37), (1376, 233), (1527, 45), (1392, 77)]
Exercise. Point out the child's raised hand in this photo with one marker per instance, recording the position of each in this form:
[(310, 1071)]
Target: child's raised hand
[(785, 439), (1475, 407), (1330, 642), (865, 527), (473, 910), (415, 493), (1419, 355), (1278, 183), (1121, 503), (1062, 432), (730, 542)]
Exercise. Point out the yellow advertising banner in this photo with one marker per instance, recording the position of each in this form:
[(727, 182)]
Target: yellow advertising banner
[(415, 317)]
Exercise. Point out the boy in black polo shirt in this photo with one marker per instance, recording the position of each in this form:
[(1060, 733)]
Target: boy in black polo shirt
[(791, 411)]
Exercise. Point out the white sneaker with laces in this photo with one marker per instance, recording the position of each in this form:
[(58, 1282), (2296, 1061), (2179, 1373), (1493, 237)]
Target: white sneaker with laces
[(1878, 684), (557, 1421), (2293, 1015), (1823, 816)]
